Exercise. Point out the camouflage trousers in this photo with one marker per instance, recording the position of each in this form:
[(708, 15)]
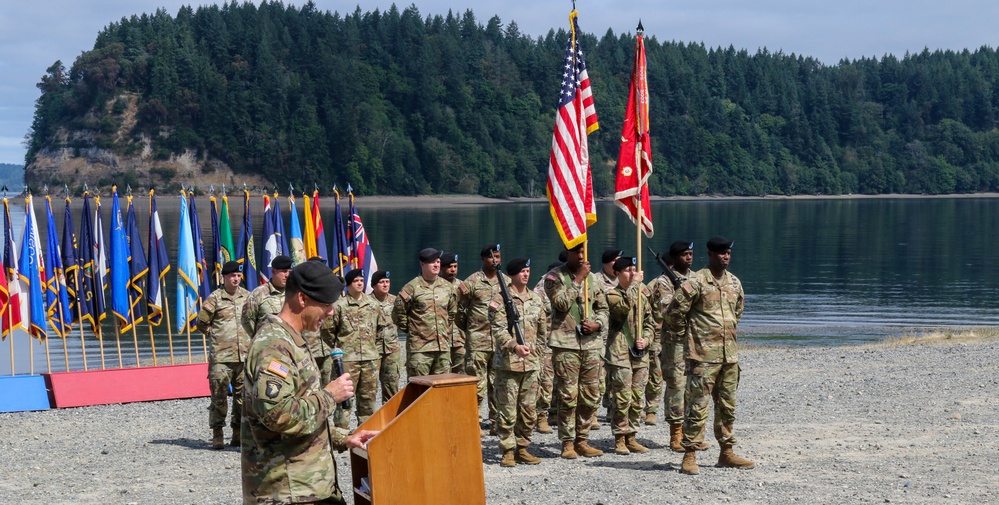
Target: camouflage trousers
[(220, 376), (364, 376), (627, 394), (546, 378), (480, 364), (516, 397), (388, 374), (710, 382), (428, 363), (458, 359), (654, 388), (675, 374), (577, 390)]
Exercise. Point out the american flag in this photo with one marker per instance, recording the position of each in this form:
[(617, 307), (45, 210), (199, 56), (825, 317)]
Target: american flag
[(570, 188)]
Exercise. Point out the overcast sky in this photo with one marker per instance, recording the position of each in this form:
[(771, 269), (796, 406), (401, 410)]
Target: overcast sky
[(36, 33)]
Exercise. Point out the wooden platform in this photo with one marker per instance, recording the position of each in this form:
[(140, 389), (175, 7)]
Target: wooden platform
[(126, 385), (19, 393)]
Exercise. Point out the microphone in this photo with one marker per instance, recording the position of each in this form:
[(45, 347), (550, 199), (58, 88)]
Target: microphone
[(337, 355)]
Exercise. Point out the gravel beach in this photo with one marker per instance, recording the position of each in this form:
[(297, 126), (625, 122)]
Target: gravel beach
[(883, 423)]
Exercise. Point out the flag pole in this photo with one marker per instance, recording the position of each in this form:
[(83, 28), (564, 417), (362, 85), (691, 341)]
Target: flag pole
[(166, 312), (187, 328), (135, 341), (10, 325), (79, 313), (100, 339), (31, 354), (152, 339)]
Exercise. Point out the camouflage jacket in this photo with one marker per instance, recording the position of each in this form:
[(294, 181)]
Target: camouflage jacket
[(711, 309), (567, 310), (285, 436), (387, 341), (354, 327), (474, 295), (219, 321), (263, 300), (425, 311), (539, 288), (457, 333), (534, 322), (623, 316), (662, 296)]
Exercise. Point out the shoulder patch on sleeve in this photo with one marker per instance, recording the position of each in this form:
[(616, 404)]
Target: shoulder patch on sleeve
[(687, 288), (551, 277), (404, 295), (463, 288), (646, 291), (495, 304), (278, 368)]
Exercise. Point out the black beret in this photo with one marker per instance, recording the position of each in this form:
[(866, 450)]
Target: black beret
[(719, 244), (317, 258), (488, 250), (624, 262), (379, 275), (315, 280), (353, 274), (231, 267), (281, 262), (429, 254), (555, 265), (562, 257), (680, 246), (516, 265), (611, 255), (448, 258), (575, 247)]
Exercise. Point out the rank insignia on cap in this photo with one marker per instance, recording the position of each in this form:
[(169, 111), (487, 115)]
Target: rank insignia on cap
[(278, 368)]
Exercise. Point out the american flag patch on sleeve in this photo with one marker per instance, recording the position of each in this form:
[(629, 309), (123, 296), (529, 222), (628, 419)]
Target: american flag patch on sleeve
[(278, 368)]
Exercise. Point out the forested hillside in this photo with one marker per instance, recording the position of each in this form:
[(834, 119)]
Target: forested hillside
[(397, 102)]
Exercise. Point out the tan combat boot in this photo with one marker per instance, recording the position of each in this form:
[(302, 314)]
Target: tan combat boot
[(543, 426), (689, 465), (633, 445), (584, 449), (675, 437), (569, 450), (619, 447), (508, 459), (650, 419), (218, 442), (728, 459), (594, 424), (522, 456), (703, 446), (234, 441)]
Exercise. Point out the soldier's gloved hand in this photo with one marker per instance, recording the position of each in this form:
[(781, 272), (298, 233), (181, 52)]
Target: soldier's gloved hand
[(341, 388)]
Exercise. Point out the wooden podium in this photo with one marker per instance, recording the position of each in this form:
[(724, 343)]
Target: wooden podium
[(428, 450)]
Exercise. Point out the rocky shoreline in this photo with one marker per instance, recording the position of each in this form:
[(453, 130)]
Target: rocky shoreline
[(880, 423)]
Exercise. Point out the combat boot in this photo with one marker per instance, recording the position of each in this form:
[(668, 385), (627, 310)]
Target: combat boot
[(569, 450), (522, 456), (675, 437), (594, 424), (218, 442), (584, 449), (703, 446), (633, 445), (650, 419), (689, 465), (728, 459), (619, 447), (543, 426), (508, 459), (234, 441)]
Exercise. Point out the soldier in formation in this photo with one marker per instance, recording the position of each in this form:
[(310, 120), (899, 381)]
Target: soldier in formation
[(449, 271), (474, 295), (387, 341), (424, 311)]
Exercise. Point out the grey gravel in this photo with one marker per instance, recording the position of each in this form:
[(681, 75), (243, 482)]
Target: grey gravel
[(866, 424)]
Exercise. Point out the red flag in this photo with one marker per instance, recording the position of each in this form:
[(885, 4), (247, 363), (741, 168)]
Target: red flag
[(634, 163), (570, 186)]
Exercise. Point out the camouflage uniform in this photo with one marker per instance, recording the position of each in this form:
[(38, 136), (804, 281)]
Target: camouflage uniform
[(264, 300), (606, 285), (517, 377), (671, 356), (457, 337), (285, 436), (628, 374), (474, 296), (354, 328), (387, 343), (546, 375), (219, 321), (711, 309), (576, 357), (424, 312)]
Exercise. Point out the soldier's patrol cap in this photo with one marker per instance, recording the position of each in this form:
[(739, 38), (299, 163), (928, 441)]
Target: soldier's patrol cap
[(611, 255), (448, 258), (353, 274), (281, 262), (719, 244), (625, 262), (379, 275), (680, 246), (429, 255), (315, 280), (516, 265), (488, 250), (231, 267)]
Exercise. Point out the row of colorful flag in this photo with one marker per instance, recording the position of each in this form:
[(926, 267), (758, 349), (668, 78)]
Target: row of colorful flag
[(41, 296)]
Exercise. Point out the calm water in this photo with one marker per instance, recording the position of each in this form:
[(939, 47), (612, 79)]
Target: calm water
[(816, 272)]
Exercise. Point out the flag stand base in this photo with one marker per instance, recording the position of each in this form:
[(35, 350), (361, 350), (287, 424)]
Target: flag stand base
[(19, 393), (127, 385)]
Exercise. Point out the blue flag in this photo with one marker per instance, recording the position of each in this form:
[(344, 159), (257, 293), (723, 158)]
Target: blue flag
[(340, 261), (137, 267), (100, 254), (120, 275), (85, 296), (282, 246), (244, 247), (297, 249), (187, 273), (56, 297), (216, 258), (71, 268), (204, 288), (158, 264), (269, 250), (15, 312), (30, 275)]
